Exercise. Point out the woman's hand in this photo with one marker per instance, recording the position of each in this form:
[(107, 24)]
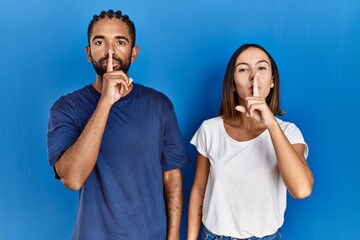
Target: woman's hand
[(257, 108)]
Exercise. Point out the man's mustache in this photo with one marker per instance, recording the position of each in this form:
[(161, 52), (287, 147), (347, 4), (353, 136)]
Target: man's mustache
[(102, 60)]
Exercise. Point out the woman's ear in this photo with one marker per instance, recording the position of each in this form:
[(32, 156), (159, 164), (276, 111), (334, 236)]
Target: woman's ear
[(272, 82)]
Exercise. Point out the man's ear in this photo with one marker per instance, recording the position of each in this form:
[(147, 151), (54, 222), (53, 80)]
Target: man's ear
[(134, 53), (88, 53)]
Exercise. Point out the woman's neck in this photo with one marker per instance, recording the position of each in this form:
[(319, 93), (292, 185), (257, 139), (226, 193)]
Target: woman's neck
[(243, 128)]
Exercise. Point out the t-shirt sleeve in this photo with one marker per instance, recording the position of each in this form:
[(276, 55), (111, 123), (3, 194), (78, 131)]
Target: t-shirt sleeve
[(174, 154), (199, 140), (62, 130), (295, 136)]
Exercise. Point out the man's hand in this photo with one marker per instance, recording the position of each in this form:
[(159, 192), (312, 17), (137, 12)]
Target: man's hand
[(115, 83)]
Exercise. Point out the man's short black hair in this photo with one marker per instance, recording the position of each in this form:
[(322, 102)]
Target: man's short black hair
[(117, 15)]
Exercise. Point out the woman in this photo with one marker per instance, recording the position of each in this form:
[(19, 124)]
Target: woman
[(247, 158)]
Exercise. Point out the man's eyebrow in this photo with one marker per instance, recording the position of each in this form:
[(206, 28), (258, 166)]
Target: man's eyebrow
[(98, 37), (117, 37), (122, 38)]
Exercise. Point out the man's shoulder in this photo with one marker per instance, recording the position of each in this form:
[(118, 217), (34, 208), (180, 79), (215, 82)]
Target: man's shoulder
[(86, 90), (74, 97), (147, 89), (151, 92)]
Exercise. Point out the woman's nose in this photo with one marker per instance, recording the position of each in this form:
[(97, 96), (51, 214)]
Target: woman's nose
[(252, 75)]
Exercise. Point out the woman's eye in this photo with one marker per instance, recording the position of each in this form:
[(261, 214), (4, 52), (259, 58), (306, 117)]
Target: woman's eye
[(262, 68), (243, 69)]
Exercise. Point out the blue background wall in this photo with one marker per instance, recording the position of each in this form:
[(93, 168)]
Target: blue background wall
[(185, 46)]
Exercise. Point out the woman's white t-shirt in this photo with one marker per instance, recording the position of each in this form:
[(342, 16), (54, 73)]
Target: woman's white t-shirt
[(245, 195)]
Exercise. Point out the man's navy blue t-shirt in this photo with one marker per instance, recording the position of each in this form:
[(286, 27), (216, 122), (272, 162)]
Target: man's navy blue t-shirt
[(123, 196)]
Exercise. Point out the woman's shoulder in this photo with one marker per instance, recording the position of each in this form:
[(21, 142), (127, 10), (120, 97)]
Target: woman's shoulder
[(287, 126), (284, 123), (212, 121)]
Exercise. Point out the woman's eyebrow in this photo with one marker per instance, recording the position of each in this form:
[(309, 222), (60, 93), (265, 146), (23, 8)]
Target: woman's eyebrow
[(241, 63), (261, 61), (258, 62)]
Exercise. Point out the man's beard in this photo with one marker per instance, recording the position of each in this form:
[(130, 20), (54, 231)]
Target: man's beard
[(100, 69)]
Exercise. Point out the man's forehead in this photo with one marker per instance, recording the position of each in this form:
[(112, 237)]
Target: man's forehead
[(111, 25)]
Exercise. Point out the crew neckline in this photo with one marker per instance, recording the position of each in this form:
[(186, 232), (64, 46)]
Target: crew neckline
[(222, 126), (134, 87)]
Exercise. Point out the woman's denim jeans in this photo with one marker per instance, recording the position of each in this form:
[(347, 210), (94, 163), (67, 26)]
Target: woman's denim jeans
[(207, 235)]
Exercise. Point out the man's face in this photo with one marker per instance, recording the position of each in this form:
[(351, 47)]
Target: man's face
[(110, 34)]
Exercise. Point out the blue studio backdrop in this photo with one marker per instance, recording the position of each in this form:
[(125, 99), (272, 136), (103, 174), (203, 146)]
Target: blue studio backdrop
[(184, 48)]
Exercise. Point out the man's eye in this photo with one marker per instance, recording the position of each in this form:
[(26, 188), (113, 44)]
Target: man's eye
[(120, 42), (98, 42)]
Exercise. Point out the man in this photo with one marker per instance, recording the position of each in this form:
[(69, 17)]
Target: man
[(118, 142)]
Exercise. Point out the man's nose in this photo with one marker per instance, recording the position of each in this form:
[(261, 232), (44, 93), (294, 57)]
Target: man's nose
[(111, 47)]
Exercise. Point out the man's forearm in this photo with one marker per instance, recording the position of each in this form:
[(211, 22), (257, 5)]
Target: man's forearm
[(174, 201), (76, 164)]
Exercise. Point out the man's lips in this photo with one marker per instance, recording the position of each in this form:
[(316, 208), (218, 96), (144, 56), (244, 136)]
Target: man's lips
[(114, 63)]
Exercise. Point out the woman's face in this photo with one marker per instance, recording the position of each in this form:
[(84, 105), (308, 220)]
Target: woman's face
[(253, 64)]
